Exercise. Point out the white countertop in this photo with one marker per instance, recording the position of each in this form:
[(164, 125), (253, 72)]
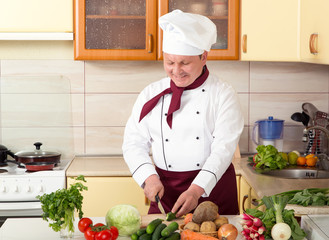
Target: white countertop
[(38, 229)]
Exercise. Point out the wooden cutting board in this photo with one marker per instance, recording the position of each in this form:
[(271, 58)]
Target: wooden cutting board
[(146, 219), (300, 210)]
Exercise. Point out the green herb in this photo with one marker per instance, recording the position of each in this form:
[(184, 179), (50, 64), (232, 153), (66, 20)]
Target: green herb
[(275, 213), (59, 206), (268, 157), (308, 197)]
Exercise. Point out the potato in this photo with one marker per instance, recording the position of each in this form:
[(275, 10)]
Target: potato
[(208, 226), (192, 226), (205, 211), (220, 221)]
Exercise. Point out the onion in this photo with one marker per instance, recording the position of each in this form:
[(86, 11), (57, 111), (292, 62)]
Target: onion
[(227, 232), (281, 231)]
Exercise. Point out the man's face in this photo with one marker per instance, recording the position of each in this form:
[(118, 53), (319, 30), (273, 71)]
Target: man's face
[(183, 70)]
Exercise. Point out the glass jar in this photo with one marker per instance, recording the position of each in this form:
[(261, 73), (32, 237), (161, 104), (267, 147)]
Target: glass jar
[(67, 230)]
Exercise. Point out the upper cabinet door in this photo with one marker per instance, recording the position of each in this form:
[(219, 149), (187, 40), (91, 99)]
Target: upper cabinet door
[(270, 30), (224, 13), (115, 29), (314, 41), (36, 16)]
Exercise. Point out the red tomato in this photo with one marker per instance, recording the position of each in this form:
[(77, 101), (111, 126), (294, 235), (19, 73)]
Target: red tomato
[(103, 235), (99, 225), (114, 231), (84, 223), (90, 234)]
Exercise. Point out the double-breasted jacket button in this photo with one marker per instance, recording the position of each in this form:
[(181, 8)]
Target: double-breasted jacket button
[(167, 140), (198, 164), (197, 138), (169, 166), (197, 112)]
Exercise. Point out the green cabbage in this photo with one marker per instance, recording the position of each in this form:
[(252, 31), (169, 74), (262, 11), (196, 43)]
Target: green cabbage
[(124, 217)]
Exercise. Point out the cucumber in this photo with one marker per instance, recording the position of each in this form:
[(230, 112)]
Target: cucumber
[(141, 231), (152, 225), (157, 232), (170, 216), (134, 236), (174, 236), (172, 227), (145, 236)]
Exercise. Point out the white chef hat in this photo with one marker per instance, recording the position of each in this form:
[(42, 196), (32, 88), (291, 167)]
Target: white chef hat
[(187, 33)]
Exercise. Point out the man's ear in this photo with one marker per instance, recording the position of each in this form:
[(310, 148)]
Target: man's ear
[(204, 56)]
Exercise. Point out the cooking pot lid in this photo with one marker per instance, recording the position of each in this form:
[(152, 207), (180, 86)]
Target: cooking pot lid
[(37, 152), (270, 119)]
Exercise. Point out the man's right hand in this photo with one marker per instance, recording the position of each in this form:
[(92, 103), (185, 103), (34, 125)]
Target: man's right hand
[(153, 186)]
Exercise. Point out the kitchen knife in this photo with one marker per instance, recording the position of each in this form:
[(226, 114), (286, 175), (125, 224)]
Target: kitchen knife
[(157, 199)]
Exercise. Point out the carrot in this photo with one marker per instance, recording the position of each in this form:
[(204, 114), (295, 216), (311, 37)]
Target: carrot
[(190, 235), (188, 218)]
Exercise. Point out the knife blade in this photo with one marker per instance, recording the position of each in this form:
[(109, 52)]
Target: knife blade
[(157, 199)]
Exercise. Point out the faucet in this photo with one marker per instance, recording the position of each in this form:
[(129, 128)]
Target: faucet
[(323, 157)]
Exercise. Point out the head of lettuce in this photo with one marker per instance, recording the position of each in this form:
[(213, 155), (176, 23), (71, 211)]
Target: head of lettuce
[(124, 217)]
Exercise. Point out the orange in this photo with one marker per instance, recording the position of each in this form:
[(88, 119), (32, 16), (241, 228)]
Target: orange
[(301, 161), (311, 161), (310, 155)]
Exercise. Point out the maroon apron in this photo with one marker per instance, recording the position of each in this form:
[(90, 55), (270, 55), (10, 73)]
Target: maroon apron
[(224, 194)]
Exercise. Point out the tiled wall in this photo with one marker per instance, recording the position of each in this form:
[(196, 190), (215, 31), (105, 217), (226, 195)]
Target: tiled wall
[(103, 93)]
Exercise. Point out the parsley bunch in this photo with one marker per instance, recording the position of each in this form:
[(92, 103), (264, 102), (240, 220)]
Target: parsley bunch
[(59, 206)]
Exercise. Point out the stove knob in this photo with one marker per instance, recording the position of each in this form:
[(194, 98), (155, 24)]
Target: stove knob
[(28, 189), (40, 188), (15, 188), (3, 188)]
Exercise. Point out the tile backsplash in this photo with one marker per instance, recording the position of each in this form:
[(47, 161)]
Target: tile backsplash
[(103, 93)]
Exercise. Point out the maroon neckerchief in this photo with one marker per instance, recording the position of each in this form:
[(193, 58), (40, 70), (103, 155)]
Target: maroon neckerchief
[(176, 95)]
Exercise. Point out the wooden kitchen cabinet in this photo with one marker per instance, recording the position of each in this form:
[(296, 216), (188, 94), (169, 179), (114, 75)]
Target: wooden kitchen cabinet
[(36, 16), (128, 29), (270, 30), (224, 13), (314, 47), (106, 192), (247, 196), (115, 29)]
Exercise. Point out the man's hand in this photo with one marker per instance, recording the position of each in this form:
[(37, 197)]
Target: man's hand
[(188, 200), (153, 186)]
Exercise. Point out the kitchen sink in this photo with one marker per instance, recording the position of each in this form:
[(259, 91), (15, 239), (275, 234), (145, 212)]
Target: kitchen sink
[(295, 172)]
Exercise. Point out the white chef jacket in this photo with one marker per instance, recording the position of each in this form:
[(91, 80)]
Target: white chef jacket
[(204, 135)]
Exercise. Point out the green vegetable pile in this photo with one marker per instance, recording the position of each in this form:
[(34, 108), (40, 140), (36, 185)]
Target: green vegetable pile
[(268, 157), (157, 230), (59, 206), (308, 197), (276, 212)]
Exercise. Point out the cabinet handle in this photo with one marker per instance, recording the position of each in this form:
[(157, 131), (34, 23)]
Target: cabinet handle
[(245, 197), (244, 43), (149, 45), (254, 202), (314, 43)]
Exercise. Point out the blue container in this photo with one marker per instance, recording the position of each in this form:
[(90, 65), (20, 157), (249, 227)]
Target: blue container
[(270, 128)]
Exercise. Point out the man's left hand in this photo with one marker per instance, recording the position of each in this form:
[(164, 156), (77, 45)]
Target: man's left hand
[(188, 200)]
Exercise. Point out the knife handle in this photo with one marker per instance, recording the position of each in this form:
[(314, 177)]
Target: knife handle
[(157, 199)]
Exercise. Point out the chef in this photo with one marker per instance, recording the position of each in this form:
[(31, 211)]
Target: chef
[(184, 129)]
